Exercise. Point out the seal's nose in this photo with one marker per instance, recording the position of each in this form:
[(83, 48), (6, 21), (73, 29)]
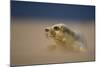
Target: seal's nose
[(46, 30)]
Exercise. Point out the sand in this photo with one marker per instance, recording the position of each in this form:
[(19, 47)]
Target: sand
[(29, 44)]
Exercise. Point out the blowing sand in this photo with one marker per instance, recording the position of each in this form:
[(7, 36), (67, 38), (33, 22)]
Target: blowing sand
[(29, 44)]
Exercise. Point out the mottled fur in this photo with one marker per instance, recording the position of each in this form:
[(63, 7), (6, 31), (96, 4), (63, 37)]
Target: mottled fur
[(64, 36)]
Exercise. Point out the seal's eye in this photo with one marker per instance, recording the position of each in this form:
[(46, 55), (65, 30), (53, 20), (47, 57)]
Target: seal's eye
[(46, 30), (56, 28)]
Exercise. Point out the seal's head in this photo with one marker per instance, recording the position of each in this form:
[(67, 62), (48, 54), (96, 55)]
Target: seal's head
[(56, 31)]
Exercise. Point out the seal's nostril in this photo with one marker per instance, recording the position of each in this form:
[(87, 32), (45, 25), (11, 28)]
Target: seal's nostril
[(46, 30), (56, 28)]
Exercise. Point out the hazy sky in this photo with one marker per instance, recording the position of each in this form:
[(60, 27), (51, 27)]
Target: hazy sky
[(52, 11)]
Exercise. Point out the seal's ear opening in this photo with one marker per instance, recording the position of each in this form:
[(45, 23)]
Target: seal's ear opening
[(67, 30)]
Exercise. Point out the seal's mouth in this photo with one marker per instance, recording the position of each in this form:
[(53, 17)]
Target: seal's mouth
[(50, 32)]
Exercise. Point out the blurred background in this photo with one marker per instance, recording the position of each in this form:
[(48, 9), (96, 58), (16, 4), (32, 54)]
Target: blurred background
[(29, 44)]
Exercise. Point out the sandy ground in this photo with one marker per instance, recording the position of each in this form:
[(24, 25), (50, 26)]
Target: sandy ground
[(29, 44)]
